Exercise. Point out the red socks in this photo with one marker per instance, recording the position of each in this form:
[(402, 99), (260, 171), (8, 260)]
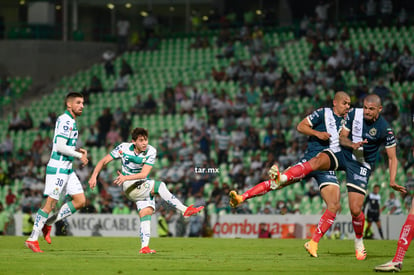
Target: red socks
[(297, 172), (325, 223), (404, 241), (257, 190), (358, 223)]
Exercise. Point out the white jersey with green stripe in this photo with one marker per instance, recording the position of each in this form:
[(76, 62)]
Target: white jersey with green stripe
[(65, 128), (132, 162)]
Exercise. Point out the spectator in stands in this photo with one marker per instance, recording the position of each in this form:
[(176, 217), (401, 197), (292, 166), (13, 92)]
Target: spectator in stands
[(121, 208), (321, 11), (37, 146), (267, 209), (223, 139), (402, 19), (113, 137), (150, 105), (27, 121), (7, 147), (121, 83), (390, 111), (95, 85), (386, 12), (10, 197), (126, 69), (104, 124), (16, 123), (150, 23), (179, 91), (125, 126), (370, 10), (405, 112), (392, 205), (404, 63), (169, 100), (331, 32), (186, 105), (228, 50), (231, 72), (49, 122), (122, 26), (218, 75), (109, 68)]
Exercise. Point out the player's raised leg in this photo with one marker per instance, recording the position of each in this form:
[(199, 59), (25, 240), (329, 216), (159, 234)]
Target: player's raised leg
[(257, 190), (161, 189)]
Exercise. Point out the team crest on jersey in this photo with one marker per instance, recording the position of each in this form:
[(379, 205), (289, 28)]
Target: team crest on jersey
[(55, 191), (372, 132)]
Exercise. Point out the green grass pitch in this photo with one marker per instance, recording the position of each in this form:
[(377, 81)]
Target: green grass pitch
[(95, 255)]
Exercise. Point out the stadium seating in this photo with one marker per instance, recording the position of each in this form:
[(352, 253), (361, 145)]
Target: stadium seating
[(176, 62)]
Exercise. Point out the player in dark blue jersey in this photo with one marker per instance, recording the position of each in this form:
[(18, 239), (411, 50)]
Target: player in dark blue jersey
[(363, 133), (322, 127), (361, 136)]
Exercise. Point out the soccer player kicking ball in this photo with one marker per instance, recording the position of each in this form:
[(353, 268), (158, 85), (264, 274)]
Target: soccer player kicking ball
[(138, 158), (60, 176), (368, 131), (406, 236), (322, 127)]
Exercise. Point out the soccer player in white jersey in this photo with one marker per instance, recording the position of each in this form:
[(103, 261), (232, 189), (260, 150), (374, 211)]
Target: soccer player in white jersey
[(138, 158), (60, 177)]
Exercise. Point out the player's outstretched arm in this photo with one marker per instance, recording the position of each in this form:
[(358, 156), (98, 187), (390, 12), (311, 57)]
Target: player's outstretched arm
[(392, 166), (92, 181)]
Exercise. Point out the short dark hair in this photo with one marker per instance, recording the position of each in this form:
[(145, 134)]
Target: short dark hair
[(135, 133), (71, 96)]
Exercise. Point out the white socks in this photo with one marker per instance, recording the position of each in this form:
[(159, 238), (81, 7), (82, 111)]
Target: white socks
[(39, 222), (170, 198), (145, 230)]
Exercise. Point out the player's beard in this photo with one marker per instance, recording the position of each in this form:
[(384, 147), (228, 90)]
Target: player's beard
[(78, 113)]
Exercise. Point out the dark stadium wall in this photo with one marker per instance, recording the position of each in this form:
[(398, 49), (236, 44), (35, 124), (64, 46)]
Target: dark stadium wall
[(48, 60)]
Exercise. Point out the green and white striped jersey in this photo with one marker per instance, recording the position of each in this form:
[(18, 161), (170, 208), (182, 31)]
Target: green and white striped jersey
[(65, 128), (132, 163)]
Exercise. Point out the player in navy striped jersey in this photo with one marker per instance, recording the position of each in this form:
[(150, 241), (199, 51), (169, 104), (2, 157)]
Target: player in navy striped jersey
[(322, 127), (360, 137), (138, 158), (60, 177)]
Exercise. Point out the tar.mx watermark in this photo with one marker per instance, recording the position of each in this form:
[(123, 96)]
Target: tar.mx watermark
[(204, 170)]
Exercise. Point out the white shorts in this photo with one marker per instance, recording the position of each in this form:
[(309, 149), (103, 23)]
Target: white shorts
[(138, 190), (57, 184)]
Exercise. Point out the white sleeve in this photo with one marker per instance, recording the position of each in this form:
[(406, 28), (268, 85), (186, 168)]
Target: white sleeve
[(62, 148)]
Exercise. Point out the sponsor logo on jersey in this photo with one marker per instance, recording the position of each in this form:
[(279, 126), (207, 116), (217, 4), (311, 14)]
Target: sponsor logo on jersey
[(373, 132)]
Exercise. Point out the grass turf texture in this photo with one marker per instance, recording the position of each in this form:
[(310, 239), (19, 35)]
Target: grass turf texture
[(94, 255)]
